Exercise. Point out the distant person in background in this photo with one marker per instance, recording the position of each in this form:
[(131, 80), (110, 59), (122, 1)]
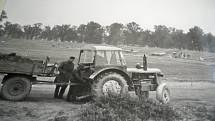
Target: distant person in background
[(66, 74)]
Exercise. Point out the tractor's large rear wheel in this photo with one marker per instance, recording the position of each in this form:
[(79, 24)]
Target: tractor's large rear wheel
[(16, 88), (109, 84)]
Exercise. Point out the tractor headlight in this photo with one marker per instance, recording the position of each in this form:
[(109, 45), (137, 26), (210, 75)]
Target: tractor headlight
[(160, 74)]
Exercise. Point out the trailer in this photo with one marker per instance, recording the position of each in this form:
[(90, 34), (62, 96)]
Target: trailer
[(20, 73)]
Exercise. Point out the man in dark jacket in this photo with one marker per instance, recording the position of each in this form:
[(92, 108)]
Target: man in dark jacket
[(65, 75)]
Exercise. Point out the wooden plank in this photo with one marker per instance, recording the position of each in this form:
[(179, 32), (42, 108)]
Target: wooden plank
[(52, 83)]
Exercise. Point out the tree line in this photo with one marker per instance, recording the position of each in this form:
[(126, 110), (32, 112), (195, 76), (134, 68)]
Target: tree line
[(114, 34)]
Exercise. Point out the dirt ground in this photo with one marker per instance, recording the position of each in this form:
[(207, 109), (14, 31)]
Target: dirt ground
[(41, 106), (191, 83)]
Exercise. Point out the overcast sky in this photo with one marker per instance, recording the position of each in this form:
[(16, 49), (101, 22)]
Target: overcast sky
[(181, 14)]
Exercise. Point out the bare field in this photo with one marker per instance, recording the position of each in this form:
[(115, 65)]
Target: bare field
[(187, 97), (191, 82)]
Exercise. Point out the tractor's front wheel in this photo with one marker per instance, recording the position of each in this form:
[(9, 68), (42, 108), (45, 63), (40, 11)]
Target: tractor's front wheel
[(163, 94), (109, 83)]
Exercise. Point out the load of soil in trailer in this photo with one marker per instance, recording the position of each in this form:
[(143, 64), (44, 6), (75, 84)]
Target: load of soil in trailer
[(20, 73), (14, 57), (12, 63)]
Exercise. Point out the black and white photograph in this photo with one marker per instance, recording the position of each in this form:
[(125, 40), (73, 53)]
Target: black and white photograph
[(107, 60)]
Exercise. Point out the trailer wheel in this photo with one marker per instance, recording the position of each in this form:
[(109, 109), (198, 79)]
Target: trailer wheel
[(110, 83), (16, 88)]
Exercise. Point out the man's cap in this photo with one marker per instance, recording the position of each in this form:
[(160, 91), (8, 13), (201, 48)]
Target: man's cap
[(72, 57)]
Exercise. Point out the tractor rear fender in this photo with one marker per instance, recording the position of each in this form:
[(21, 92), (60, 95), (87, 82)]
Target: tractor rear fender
[(112, 69)]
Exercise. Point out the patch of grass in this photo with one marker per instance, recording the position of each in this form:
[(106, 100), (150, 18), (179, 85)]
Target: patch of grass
[(126, 108), (193, 112)]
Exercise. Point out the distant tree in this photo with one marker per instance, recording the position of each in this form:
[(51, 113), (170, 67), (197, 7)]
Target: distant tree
[(62, 32), (132, 33), (17, 31), (210, 40), (3, 16), (115, 32), (106, 34), (178, 38), (94, 33), (145, 38), (33, 32), (59, 32), (28, 31), (46, 33), (71, 34), (81, 32), (55, 32), (7, 27), (12, 30), (195, 35), (36, 30), (161, 37)]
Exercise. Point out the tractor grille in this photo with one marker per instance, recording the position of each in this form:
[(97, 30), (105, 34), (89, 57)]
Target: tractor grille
[(144, 77)]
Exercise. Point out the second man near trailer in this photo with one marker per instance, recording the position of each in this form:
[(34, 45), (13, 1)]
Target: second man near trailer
[(66, 74)]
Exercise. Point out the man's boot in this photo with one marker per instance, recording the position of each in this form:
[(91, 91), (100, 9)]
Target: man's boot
[(56, 91), (62, 90)]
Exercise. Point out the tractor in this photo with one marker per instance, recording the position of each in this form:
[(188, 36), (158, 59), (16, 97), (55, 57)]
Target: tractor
[(101, 70), (104, 70)]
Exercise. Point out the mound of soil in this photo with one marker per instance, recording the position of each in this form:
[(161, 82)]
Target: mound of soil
[(14, 58)]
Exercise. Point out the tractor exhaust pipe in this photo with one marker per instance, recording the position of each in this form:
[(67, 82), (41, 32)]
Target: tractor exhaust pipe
[(144, 63)]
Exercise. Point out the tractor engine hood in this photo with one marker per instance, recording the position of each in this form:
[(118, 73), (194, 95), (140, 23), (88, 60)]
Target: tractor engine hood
[(149, 70)]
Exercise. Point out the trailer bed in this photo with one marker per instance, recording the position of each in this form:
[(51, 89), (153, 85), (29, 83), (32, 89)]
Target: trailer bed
[(20, 65)]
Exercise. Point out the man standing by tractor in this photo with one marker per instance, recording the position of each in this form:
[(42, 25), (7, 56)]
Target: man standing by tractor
[(66, 74)]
